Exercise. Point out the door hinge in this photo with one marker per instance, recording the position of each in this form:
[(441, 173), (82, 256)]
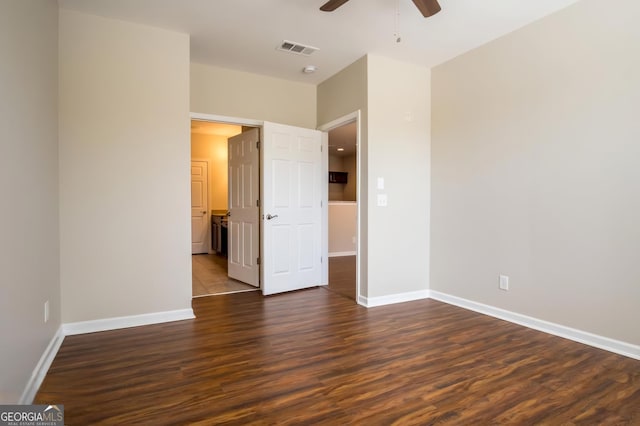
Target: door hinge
[(320, 203), (321, 259), (258, 145), (320, 148), (257, 261), (257, 203)]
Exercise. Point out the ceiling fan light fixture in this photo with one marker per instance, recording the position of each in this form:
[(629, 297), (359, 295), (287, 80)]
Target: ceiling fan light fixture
[(427, 7), (332, 5)]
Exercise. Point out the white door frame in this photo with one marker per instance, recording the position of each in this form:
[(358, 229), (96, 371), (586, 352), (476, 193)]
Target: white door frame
[(341, 121), (354, 116), (226, 119), (214, 118)]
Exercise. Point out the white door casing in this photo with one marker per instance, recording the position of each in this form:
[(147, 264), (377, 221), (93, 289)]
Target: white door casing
[(360, 176), (292, 208), (324, 184), (244, 212), (199, 207)]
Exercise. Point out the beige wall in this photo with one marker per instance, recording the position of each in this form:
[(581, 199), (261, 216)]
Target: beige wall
[(343, 191), (336, 190), (338, 96), (394, 144), (214, 149), (344, 93), (349, 164), (343, 219), (239, 94), (398, 150), (535, 171), (124, 168), (29, 246)]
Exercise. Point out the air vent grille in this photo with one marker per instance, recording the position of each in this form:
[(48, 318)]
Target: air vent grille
[(296, 48)]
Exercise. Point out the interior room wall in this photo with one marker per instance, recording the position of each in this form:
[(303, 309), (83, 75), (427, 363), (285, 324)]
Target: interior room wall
[(349, 165), (399, 151), (336, 190), (226, 92), (338, 96), (535, 171), (343, 220), (335, 163), (344, 191), (124, 175), (214, 149), (29, 247)]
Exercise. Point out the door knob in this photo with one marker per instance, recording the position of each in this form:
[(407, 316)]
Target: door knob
[(269, 217), (204, 212)]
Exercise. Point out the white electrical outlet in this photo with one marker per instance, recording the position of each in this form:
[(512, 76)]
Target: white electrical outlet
[(504, 282), (46, 311), (382, 200)]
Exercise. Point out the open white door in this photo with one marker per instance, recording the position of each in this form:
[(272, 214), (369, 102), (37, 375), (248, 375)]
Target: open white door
[(244, 212), (199, 207), (292, 208)]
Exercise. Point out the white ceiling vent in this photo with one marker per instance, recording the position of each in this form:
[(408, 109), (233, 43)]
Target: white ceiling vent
[(296, 48)]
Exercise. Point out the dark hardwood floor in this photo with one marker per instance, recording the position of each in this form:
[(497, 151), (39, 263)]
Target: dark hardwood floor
[(316, 357), (342, 276)]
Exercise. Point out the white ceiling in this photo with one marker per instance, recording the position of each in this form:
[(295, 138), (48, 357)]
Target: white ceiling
[(244, 34)]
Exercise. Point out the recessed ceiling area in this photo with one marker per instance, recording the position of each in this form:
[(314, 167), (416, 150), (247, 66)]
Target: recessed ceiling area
[(217, 129), (243, 34), (345, 138)]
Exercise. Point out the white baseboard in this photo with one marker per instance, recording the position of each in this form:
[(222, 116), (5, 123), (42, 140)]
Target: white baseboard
[(371, 302), (40, 371), (69, 329), (342, 253), (38, 374), (600, 342), (83, 327)]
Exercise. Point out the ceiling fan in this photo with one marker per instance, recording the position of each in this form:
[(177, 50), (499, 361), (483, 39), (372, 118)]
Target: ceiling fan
[(427, 7)]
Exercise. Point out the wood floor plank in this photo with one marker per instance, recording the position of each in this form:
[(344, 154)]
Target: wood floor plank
[(316, 357), (342, 276)]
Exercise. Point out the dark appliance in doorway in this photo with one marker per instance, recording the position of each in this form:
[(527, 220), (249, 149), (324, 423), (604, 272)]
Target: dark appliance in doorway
[(219, 228)]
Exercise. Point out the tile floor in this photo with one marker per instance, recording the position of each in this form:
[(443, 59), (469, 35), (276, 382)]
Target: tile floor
[(209, 272)]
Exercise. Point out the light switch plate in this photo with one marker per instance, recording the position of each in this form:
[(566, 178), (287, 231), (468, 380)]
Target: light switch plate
[(504, 282)]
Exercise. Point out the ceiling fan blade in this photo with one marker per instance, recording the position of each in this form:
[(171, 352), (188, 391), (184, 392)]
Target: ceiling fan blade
[(427, 7), (332, 5)]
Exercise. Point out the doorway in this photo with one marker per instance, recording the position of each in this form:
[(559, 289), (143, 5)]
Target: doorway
[(292, 252), (209, 156), (343, 164)]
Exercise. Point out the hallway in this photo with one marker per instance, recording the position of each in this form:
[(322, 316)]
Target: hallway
[(209, 273)]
